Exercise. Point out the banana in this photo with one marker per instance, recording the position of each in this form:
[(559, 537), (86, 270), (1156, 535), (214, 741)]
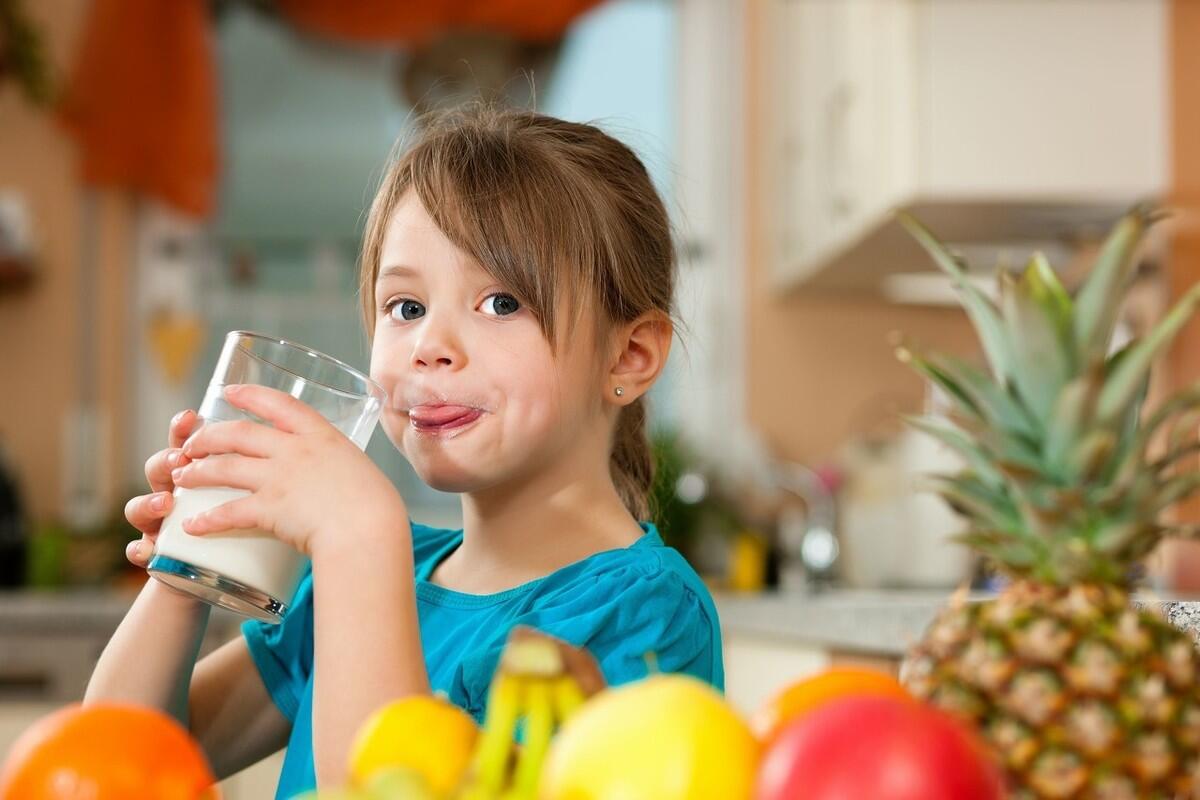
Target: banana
[(568, 697), (492, 753), (533, 681), (539, 727)]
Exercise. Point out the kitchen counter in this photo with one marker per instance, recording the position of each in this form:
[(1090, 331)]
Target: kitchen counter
[(90, 610), (50, 640), (884, 623)]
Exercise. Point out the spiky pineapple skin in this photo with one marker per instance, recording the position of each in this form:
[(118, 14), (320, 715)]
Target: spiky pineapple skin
[(1078, 693)]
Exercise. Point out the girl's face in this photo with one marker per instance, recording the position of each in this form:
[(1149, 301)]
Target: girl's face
[(447, 334)]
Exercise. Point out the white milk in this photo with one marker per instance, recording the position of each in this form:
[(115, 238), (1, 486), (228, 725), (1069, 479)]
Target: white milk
[(248, 556)]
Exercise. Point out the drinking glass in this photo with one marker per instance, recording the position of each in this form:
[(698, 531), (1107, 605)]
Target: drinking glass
[(247, 570)]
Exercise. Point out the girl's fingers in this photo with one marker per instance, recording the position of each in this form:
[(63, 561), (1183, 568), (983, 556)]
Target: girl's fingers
[(181, 427), (159, 465), (146, 511), (226, 469), (275, 407), (235, 514), (140, 551), (233, 436)]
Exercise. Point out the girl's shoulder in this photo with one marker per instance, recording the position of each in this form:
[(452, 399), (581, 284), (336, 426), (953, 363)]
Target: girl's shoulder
[(429, 542), (647, 558), (645, 578)]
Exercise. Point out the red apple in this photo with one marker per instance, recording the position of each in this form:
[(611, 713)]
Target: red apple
[(881, 748)]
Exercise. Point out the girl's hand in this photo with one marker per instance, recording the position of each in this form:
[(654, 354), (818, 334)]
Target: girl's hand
[(310, 485), (146, 511)]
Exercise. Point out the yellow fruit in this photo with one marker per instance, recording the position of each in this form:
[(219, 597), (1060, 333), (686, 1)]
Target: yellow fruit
[(428, 735), (399, 783), (668, 737), (335, 794)]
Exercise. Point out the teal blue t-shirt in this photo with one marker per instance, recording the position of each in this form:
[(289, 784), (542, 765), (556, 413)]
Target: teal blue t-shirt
[(619, 604)]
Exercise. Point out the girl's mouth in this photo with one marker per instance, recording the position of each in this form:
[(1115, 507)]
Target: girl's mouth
[(451, 426)]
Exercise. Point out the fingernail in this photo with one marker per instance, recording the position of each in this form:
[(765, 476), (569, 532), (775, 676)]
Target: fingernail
[(131, 549), (175, 473), (173, 458), (159, 502)]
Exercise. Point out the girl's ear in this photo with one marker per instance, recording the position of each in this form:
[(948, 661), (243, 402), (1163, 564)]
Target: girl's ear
[(642, 347)]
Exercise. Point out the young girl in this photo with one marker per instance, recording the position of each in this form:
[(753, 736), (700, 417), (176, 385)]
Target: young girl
[(516, 278)]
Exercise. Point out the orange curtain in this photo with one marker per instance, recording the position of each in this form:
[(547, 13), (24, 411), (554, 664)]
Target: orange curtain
[(141, 99), (414, 21)]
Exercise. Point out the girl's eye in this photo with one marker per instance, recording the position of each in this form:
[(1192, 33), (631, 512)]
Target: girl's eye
[(407, 307), (505, 304)]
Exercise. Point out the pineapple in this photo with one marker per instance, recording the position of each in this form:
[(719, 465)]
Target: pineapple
[(1079, 693)]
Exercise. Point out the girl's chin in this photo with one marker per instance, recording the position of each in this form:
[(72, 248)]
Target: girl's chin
[(446, 478)]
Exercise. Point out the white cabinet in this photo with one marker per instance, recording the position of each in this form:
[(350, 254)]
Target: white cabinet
[(844, 74), (992, 120), (756, 667)]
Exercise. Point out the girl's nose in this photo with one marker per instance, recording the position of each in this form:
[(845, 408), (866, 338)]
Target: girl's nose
[(437, 346)]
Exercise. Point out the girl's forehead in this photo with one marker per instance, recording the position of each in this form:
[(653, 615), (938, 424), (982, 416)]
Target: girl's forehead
[(417, 266), (413, 240)]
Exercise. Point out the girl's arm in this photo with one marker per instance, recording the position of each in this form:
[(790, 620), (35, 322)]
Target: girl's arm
[(314, 489), (150, 658), (367, 645), (151, 661)]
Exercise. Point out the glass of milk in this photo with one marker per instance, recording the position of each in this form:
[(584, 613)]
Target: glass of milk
[(249, 571)]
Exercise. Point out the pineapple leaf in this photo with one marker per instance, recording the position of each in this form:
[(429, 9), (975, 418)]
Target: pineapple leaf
[(1072, 414), (1100, 298), (975, 390), (980, 309), (1183, 427), (1128, 442), (1041, 364), (1173, 491), (1175, 455), (1183, 403), (975, 499), (1050, 294), (1092, 454), (1130, 372), (1115, 537), (1180, 531), (942, 377), (956, 440), (1000, 547)]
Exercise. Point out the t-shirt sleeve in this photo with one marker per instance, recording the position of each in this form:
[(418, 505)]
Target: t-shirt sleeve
[(283, 652), (653, 622), (633, 621)]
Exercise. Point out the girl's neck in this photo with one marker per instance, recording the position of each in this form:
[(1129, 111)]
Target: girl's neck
[(515, 533)]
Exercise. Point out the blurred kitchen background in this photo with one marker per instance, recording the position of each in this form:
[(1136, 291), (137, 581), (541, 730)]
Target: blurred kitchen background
[(173, 171)]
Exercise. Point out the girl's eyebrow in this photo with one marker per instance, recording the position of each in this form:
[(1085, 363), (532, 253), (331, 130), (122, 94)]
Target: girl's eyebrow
[(401, 270)]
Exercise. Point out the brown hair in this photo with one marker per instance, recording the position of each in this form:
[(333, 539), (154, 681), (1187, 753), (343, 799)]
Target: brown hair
[(554, 210)]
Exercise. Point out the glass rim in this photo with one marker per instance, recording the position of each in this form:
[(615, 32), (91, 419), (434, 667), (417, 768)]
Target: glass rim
[(373, 389)]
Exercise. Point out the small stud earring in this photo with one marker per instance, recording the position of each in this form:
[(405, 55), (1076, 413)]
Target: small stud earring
[(619, 391)]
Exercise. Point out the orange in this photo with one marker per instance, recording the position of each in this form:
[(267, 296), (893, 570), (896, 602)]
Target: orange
[(107, 751), (805, 696)]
